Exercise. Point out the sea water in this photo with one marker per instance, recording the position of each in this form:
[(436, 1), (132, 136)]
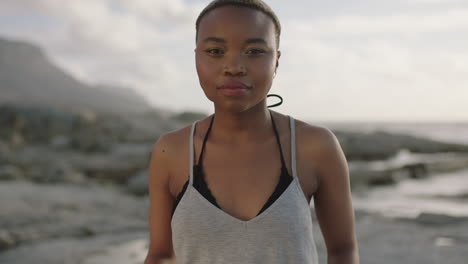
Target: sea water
[(445, 132), (444, 193)]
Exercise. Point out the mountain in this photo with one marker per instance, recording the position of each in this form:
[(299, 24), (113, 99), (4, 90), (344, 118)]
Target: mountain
[(28, 77)]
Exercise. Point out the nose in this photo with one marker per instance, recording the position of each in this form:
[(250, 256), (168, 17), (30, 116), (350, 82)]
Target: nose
[(234, 65)]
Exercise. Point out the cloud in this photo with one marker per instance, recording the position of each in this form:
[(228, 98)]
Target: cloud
[(410, 63), (123, 42), (448, 20), (173, 12), (437, 1), (376, 67)]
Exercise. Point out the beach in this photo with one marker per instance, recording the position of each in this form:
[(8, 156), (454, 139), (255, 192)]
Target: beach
[(75, 191), (119, 235), (428, 239)]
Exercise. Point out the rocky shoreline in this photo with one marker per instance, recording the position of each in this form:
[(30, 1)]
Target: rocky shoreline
[(72, 184), (45, 145), (95, 224), (85, 226)]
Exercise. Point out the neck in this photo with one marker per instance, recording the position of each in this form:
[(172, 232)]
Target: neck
[(236, 127)]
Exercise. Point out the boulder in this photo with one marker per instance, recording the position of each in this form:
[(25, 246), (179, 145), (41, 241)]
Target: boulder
[(33, 213), (6, 240), (60, 172), (138, 184), (9, 172)]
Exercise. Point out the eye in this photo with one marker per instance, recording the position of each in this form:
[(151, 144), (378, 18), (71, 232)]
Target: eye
[(255, 51), (214, 51)]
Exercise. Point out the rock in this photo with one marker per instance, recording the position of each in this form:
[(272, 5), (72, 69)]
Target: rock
[(88, 141), (138, 184), (4, 152), (404, 165), (17, 141), (382, 145), (60, 172), (71, 250), (118, 166), (10, 173), (35, 213), (60, 142), (439, 219), (371, 177), (111, 174), (6, 240), (87, 117), (42, 164), (28, 125)]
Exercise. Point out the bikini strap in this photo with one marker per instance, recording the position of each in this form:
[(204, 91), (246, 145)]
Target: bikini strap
[(283, 164), (191, 153), (293, 146), (200, 159)]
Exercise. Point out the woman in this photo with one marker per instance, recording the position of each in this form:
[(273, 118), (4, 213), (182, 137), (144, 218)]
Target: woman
[(236, 186)]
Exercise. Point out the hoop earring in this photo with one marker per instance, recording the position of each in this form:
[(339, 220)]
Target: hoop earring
[(277, 104)]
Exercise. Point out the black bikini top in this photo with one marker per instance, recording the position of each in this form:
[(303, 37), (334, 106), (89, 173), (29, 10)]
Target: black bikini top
[(201, 186)]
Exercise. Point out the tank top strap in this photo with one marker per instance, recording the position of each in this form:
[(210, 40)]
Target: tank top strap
[(283, 163), (191, 153), (199, 164), (293, 146)]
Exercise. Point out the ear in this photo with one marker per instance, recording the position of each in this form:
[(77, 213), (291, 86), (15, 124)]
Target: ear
[(277, 58)]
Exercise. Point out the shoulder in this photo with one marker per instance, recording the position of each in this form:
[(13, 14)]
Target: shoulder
[(320, 146), (170, 153), (178, 138), (316, 138), (170, 142), (169, 150), (311, 137)]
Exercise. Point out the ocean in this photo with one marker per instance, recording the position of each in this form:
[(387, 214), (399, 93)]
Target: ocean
[(444, 193), (445, 132)]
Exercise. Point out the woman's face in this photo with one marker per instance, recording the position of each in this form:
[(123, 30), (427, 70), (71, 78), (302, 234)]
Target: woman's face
[(236, 57)]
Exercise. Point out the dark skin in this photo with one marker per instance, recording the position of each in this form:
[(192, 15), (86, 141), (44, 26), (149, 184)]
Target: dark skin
[(244, 177)]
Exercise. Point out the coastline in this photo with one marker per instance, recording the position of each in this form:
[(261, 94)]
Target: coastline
[(428, 239), (77, 191), (96, 225)]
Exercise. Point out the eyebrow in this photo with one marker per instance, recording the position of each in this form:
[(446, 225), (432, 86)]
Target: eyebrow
[(248, 41)]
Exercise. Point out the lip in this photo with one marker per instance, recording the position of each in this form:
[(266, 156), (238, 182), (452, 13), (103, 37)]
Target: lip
[(234, 88), (232, 84)]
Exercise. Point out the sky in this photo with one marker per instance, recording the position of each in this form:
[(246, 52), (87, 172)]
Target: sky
[(355, 60)]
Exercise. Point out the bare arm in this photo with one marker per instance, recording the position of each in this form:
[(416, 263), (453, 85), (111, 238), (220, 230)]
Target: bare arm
[(333, 204), (160, 249)]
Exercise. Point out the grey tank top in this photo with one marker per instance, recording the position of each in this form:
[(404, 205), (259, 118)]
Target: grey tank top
[(282, 234)]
